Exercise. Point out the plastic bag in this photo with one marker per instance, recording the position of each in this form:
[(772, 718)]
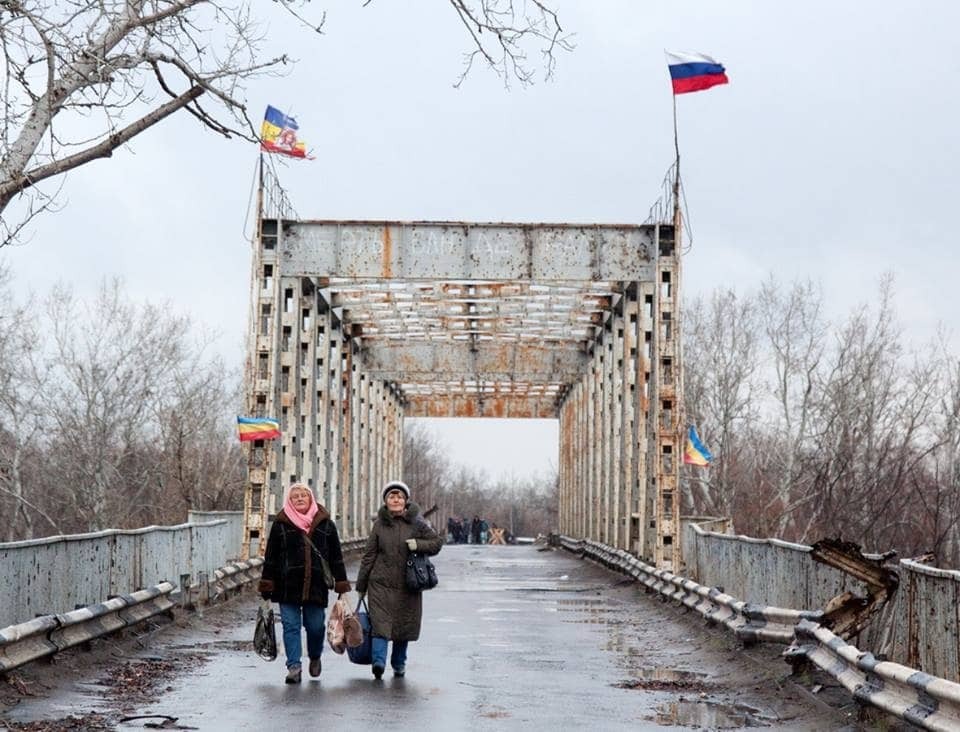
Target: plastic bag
[(265, 633), (343, 627), (362, 653), (335, 633)]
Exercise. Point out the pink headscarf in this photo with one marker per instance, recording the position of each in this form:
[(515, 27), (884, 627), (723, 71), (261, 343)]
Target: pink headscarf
[(301, 520)]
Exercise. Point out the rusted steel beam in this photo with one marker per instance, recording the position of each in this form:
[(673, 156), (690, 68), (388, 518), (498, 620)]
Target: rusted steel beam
[(515, 406), (848, 614), (485, 361), (458, 250)]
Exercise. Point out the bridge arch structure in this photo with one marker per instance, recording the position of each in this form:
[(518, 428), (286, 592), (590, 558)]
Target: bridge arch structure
[(355, 325)]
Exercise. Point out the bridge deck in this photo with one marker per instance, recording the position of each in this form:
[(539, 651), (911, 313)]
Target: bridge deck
[(514, 638)]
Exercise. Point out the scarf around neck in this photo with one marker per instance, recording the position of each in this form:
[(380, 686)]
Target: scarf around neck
[(301, 520)]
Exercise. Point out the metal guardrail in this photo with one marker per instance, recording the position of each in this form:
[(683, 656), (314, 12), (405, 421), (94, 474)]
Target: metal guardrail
[(353, 545), (921, 699), (44, 636), (924, 700), (225, 580), (49, 634), (750, 623)]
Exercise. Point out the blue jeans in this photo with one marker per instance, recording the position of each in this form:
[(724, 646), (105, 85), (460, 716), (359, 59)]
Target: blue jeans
[(311, 617), (398, 659)]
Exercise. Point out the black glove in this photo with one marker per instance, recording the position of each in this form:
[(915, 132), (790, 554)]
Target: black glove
[(265, 596)]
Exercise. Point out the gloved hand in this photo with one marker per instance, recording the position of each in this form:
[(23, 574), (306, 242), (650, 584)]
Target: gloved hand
[(265, 596), (412, 544)]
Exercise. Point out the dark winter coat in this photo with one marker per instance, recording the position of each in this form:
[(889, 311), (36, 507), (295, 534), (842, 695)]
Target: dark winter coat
[(395, 613), (292, 572)]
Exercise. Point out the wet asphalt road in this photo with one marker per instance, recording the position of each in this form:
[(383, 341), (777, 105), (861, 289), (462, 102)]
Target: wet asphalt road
[(513, 638)]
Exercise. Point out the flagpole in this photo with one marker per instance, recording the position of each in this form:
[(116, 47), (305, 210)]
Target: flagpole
[(680, 406), (676, 143)]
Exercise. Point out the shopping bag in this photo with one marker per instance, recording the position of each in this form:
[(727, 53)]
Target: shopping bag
[(335, 631), (352, 631), (362, 653), (265, 633)]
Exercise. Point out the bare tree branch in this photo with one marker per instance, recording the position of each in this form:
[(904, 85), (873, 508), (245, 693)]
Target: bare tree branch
[(105, 149)]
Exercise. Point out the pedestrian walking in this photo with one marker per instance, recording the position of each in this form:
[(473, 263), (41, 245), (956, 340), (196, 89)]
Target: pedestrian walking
[(303, 537), (395, 613)]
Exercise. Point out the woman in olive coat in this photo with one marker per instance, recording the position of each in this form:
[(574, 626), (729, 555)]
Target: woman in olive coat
[(292, 574), (395, 613)]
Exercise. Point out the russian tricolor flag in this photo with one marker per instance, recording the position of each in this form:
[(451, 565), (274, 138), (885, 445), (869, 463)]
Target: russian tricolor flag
[(692, 72)]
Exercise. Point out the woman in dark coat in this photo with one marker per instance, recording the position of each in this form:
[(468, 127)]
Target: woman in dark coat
[(293, 575), (395, 613)]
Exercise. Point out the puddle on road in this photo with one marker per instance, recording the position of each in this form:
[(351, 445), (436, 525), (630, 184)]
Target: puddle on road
[(709, 715), (224, 645), (582, 603), (664, 679)]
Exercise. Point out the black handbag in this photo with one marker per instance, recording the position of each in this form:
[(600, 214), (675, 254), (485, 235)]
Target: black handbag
[(265, 634), (421, 574), (363, 654), (328, 579)]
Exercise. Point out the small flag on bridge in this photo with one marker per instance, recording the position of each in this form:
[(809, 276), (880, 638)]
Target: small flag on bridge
[(278, 134), (257, 428), (692, 72), (696, 453)]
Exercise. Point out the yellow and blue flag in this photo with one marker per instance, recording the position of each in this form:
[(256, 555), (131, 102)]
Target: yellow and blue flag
[(278, 134), (696, 453), (257, 428)]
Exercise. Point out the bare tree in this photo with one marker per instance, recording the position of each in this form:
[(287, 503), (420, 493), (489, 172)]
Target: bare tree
[(426, 470), (83, 77), (21, 417), (874, 416), (200, 463), (940, 494), (721, 350), (795, 332), (112, 365), (502, 31), (854, 435)]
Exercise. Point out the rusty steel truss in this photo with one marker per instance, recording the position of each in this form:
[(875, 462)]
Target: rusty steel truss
[(357, 324)]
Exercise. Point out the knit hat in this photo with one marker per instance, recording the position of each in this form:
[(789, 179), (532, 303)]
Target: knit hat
[(396, 485)]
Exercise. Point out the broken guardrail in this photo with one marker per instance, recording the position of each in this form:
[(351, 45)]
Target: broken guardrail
[(926, 701), (921, 699), (750, 623)]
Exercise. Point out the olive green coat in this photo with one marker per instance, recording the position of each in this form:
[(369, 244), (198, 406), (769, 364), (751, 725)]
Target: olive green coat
[(395, 614)]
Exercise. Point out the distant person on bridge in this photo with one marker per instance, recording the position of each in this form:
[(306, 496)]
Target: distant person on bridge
[(395, 613), (293, 574)]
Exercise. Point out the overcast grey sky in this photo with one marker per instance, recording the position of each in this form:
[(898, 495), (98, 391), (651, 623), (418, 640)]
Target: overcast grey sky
[(831, 154)]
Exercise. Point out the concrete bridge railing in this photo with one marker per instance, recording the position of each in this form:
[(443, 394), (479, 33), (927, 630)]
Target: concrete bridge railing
[(912, 693), (919, 627), (61, 573)]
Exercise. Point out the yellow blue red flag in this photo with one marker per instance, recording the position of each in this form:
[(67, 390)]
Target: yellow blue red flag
[(257, 428), (278, 134), (696, 453)]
